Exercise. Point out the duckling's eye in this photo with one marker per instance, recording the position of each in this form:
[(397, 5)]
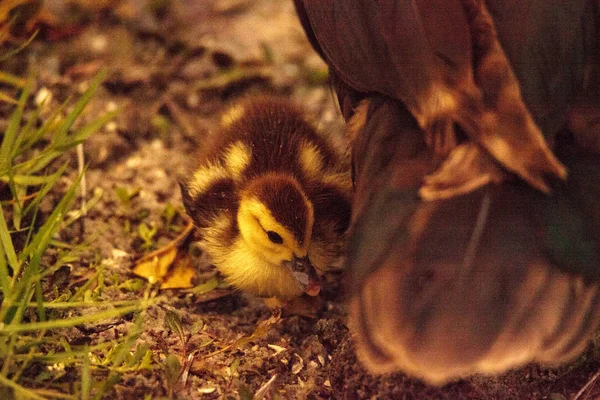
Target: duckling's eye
[(274, 237)]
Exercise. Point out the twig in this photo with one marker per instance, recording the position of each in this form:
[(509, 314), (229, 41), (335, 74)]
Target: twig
[(21, 199), (186, 368), (259, 331), (262, 391), (174, 243), (587, 385)]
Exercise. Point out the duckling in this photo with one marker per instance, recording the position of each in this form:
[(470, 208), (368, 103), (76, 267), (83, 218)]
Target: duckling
[(270, 198)]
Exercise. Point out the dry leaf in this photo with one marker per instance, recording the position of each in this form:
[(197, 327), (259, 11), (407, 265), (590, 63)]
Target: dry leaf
[(170, 265), (298, 365), (278, 349), (181, 274), (155, 268)]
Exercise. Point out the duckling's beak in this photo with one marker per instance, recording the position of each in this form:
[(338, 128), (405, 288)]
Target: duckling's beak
[(305, 274)]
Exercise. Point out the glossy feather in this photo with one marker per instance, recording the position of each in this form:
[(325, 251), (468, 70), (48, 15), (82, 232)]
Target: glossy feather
[(502, 274), (442, 59), (477, 283)]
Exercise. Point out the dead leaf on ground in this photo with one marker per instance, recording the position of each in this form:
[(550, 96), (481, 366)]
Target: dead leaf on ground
[(170, 265)]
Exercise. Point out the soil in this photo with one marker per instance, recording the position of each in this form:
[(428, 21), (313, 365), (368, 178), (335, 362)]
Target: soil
[(173, 67)]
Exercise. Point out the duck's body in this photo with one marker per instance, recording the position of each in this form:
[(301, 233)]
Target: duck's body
[(269, 191), (500, 266)]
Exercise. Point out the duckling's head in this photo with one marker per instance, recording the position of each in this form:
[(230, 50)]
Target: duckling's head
[(275, 219)]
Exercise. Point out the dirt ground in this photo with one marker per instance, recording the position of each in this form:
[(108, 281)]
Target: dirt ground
[(173, 67)]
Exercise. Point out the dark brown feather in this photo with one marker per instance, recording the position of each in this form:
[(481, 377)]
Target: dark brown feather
[(421, 53), (218, 198), (332, 210), (274, 129), (466, 284), (283, 197), (499, 276)]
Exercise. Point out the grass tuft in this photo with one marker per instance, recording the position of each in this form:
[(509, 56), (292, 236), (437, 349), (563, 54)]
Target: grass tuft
[(34, 158)]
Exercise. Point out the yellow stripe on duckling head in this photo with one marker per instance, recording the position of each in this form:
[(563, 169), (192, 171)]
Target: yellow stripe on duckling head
[(237, 159), (311, 159), (204, 177)]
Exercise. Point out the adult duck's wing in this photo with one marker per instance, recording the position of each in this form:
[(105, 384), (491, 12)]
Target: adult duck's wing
[(503, 274), (443, 61)]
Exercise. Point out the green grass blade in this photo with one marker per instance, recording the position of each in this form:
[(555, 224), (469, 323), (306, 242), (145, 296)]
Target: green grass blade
[(12, 80), (32, 227), (19, 193), (5, 282), (42, 237), (62, 357), (60, 305), (29, 130), (51, 181), (7, 99), (19, 391), (71, 322), (37, 163), (7, 245), (18, 49), (42, 130), (51, 394), (112, 380), (10, 136), (81, 291), (60, 136), (9, 353), (92, 127), (27, 180), (39, 297), (86, 379), (24, 294)]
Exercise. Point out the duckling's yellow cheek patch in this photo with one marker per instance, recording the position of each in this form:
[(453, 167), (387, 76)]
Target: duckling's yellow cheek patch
[(237, 158), (204, 177), (311, 159)]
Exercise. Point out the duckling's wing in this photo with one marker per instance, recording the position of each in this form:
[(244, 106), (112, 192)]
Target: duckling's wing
[(210, 200)]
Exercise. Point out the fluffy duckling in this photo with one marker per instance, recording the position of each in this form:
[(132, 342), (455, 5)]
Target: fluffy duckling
[(271, 200)]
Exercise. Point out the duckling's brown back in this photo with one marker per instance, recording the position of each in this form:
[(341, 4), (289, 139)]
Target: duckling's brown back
[(275, 130)]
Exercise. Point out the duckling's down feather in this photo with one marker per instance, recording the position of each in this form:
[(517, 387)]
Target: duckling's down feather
[(269, 137)]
